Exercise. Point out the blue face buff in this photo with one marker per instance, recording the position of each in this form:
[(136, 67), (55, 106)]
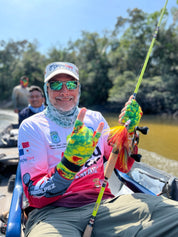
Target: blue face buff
[(37, 110), (65, 119)]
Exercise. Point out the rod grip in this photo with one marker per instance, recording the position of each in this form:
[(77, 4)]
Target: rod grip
[(111, 164)]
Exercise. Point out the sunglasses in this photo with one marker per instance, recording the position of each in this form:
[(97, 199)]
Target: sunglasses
[(57, 85)]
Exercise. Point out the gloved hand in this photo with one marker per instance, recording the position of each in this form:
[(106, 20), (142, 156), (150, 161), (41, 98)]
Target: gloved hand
[(81, 145), (133, 112)]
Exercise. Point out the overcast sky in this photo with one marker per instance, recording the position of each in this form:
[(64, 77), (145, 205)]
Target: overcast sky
[(55, 22)]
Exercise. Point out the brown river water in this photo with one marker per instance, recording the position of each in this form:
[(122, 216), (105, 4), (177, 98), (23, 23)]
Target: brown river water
[(158, 148)]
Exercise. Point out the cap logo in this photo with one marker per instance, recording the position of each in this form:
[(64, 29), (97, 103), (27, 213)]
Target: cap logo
[(54, 66)]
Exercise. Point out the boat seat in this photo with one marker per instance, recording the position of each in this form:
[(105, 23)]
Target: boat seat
[(14, 219)]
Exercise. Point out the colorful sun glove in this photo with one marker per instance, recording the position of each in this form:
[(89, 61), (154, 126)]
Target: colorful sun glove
[(133, 113), (81, 145), (122, 136)]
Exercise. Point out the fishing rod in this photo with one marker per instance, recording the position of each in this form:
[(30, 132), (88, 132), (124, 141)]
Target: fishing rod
[(114, 154)]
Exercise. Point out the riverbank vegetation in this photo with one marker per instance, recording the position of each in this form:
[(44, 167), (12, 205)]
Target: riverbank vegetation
[(109, 64)]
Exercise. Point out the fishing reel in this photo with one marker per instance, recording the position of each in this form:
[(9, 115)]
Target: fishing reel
[(135, 141)]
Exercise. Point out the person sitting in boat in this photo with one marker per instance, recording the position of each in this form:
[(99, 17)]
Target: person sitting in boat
[(61, 154), (36, 103), (20, 94)]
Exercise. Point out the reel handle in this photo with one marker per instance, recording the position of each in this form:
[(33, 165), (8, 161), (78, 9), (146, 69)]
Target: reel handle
[(143, 130)]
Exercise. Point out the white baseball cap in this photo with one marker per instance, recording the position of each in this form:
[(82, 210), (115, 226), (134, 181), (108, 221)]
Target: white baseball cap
[(56, 68)]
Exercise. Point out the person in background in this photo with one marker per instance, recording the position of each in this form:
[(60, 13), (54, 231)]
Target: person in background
[(61, 154), (20, 95), (36, 103)]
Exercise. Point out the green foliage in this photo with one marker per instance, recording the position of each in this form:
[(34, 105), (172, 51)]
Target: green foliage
[(154, 96), (122, 87), (94, 66), (109, 65), (10, 55)]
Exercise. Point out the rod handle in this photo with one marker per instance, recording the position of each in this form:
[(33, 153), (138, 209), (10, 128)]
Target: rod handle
[(111, 163)]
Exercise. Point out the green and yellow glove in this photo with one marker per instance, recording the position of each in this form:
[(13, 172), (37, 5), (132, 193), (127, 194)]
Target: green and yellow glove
[(133, 112), (81, 145)]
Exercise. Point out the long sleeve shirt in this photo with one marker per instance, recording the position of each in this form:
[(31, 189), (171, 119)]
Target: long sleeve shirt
[(41, 147)]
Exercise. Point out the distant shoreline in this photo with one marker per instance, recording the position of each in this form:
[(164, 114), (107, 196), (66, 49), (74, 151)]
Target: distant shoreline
[(108, 108), (6, 105)]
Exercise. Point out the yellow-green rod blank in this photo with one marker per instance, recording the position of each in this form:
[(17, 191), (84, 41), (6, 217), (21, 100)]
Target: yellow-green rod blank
[(107, 173)]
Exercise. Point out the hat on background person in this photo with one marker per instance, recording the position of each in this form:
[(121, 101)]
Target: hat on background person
[(36, 88), (56, 68)]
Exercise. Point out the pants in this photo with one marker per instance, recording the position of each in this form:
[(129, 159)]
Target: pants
[(133, 215)]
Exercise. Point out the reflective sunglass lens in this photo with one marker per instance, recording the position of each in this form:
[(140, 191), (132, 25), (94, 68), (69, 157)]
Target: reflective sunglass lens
[(56, 85), (71, 85)]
